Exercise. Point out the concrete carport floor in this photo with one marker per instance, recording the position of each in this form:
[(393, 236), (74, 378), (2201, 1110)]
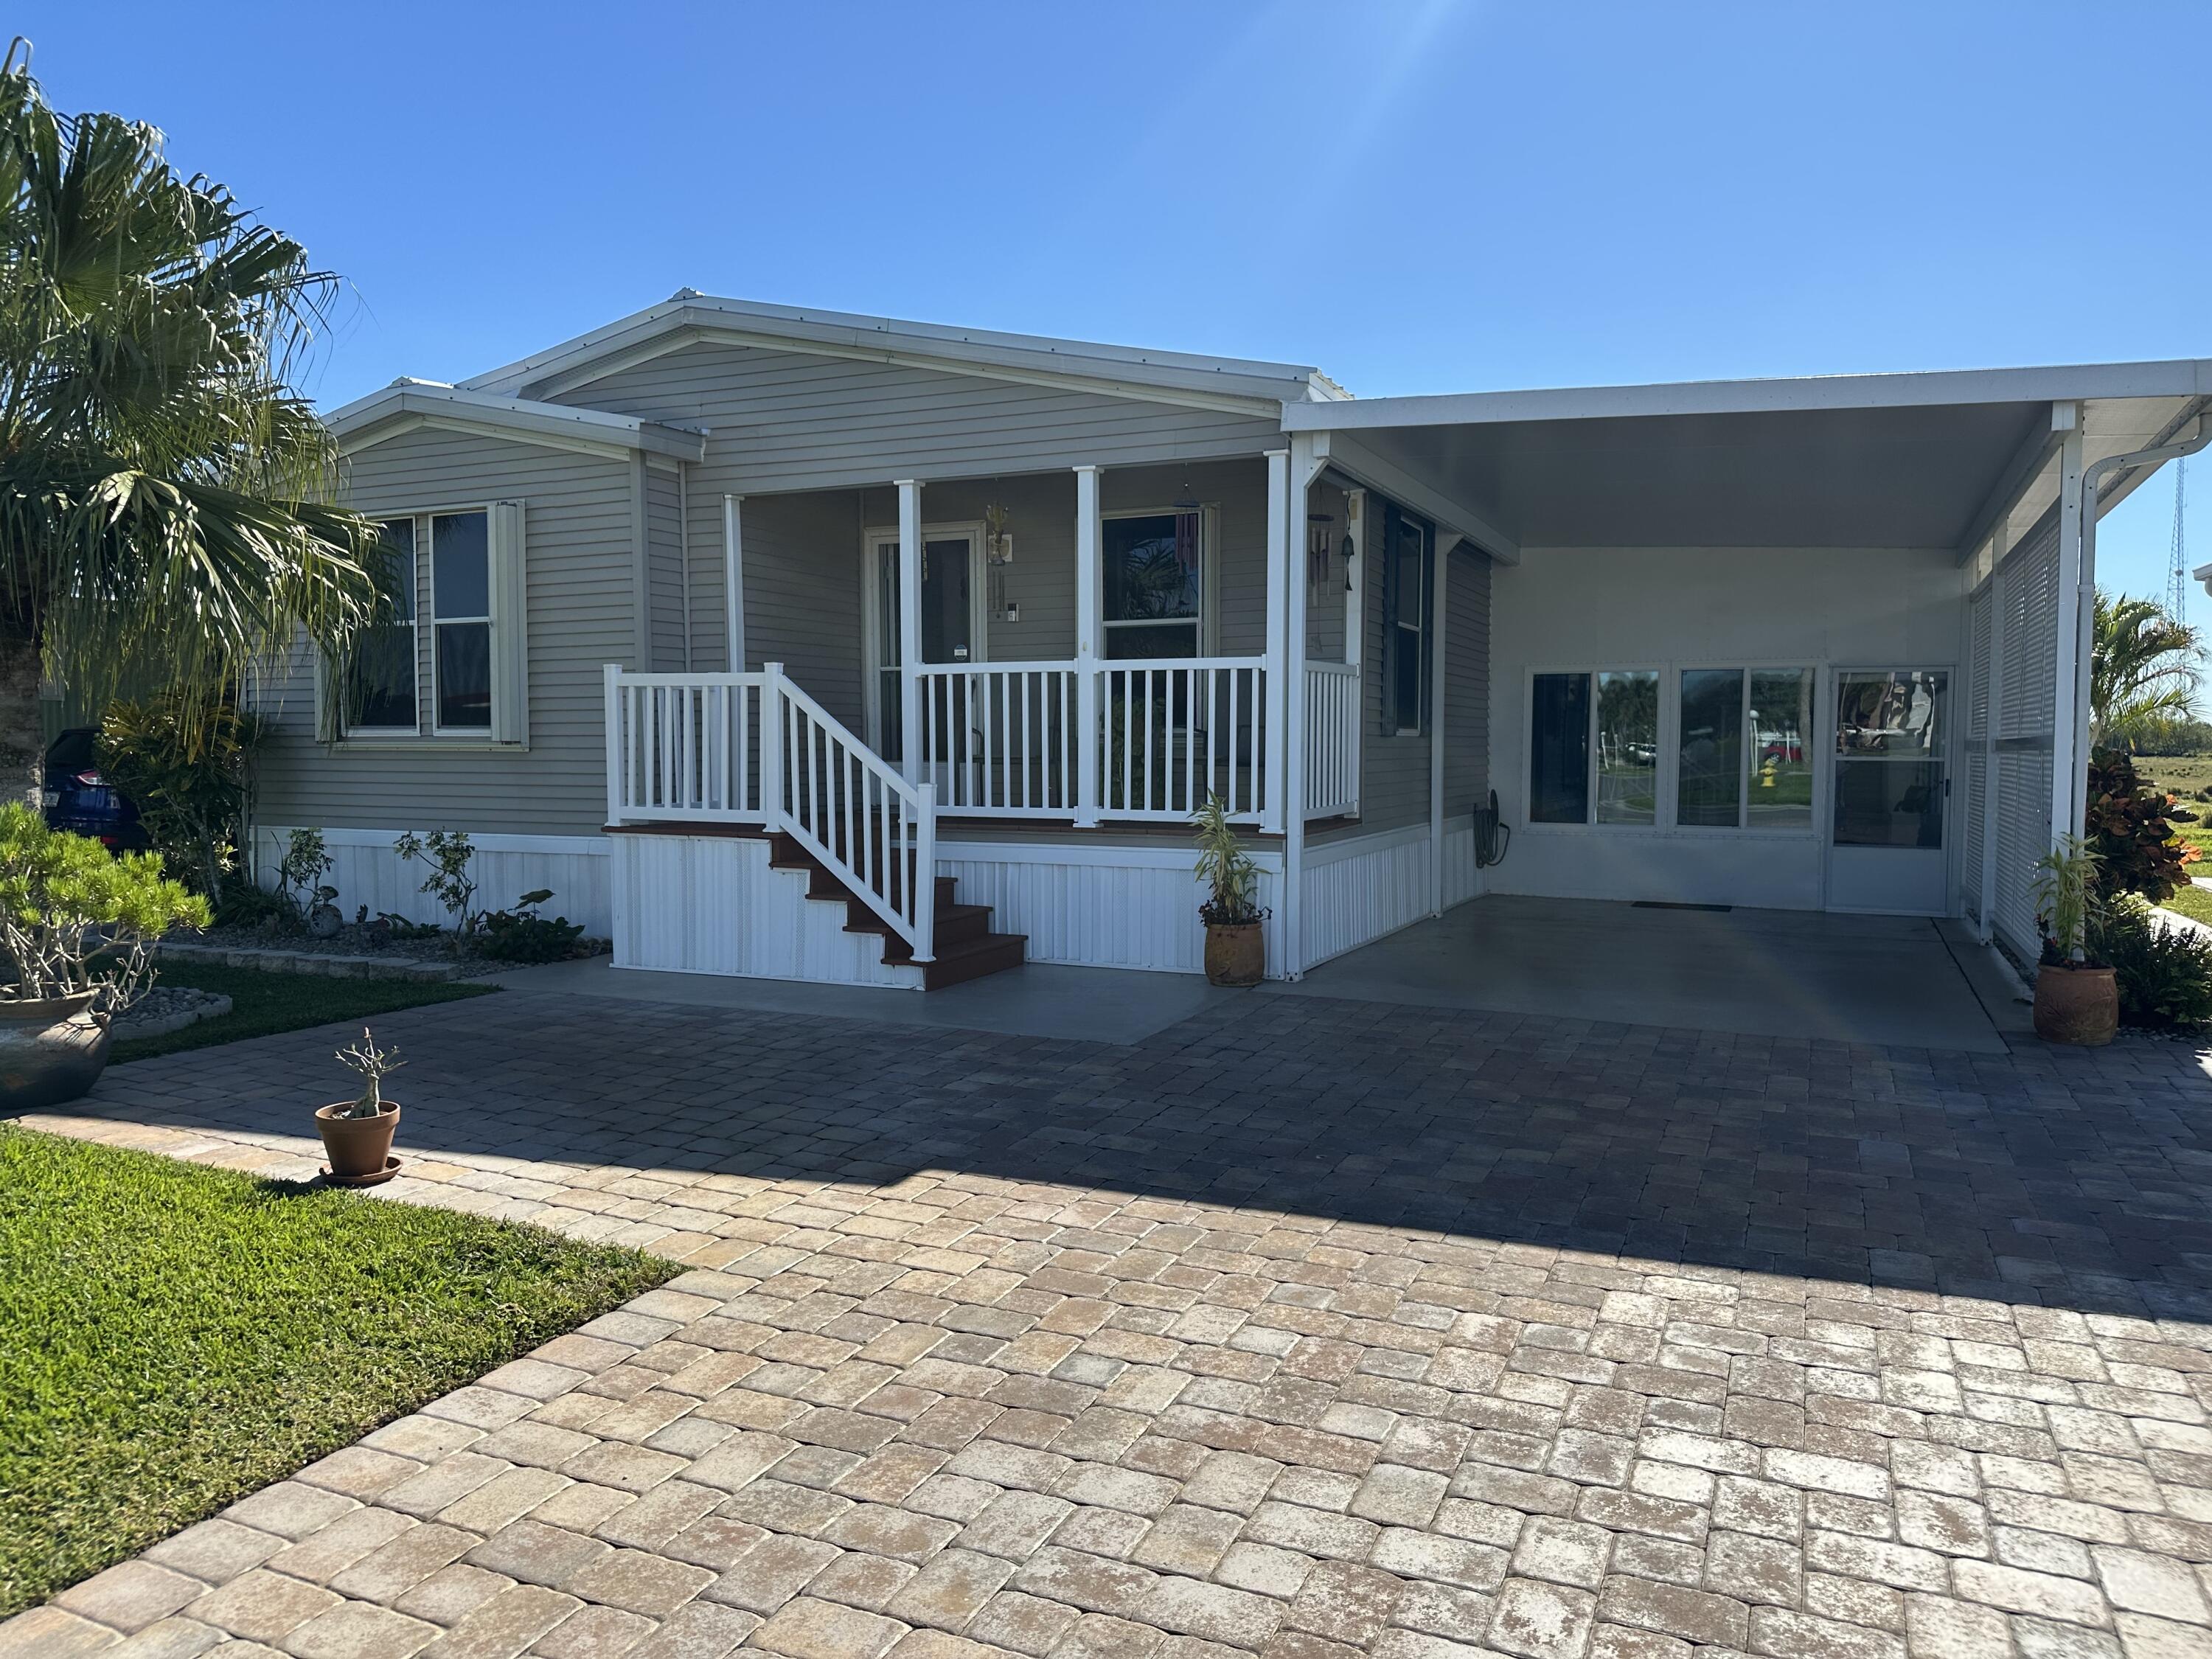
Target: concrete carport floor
[(1885, 981)]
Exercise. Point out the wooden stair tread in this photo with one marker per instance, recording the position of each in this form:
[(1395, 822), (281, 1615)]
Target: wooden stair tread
[(965, 948)]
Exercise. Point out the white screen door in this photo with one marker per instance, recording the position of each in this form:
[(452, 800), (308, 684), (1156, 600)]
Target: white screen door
[(1889, 795)]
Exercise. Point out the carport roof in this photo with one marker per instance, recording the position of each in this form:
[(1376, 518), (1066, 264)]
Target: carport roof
[(1928, 460)]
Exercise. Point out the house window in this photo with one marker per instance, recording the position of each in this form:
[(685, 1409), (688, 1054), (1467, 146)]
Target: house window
[(1154, 577), (1743, 758), (1738, 751), (381, 670), (460, 620), (1408, 582), (1595, 759)]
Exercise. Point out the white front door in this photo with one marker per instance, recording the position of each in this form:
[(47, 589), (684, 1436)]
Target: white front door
[(1889, 791)]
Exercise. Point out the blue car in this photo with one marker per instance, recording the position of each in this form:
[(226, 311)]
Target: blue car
[(79, 798)]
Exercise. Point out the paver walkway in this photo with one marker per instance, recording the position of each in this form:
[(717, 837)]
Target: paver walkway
[(1308, 1329)]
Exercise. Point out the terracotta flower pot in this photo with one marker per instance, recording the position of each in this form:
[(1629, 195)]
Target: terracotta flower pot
[(2076, 1004), (52, 1049), (1234, 953), (359, 1148)]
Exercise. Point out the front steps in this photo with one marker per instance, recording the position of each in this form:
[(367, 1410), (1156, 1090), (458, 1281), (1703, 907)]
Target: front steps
[(966, 948)]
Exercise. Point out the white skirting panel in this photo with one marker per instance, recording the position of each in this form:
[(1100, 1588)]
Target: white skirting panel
[(710, 904), (1357, 891), (1107, 907), (366, 871)]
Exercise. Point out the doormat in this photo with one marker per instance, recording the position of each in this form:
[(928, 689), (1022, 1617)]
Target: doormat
[(1670, 904)]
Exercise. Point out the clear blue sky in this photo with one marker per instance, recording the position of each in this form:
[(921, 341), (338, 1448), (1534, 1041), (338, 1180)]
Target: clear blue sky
[(1416, 195)]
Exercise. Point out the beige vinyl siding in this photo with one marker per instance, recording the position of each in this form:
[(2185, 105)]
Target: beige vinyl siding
[(782, 421), (579, 540), (1467, 682), (667, 647), (802, 581)]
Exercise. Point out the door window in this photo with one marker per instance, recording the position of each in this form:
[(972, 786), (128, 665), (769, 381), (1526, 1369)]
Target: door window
[(1890, 783), (948, 633)]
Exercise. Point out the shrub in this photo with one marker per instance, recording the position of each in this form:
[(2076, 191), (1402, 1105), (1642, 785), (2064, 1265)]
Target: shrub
[(2128, 825), (75, 917), (186, 758), (447, 852), (1223, 866), (300, 873), (2163, 971), (523, 935)]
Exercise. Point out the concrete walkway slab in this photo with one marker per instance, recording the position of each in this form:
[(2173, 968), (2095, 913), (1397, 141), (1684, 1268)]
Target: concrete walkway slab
[(1880, 980)]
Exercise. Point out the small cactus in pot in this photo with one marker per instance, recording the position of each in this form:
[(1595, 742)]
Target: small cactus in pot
[(357, 1133)]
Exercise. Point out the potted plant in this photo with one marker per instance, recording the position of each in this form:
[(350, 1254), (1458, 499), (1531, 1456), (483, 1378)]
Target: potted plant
[(357, 1134), (1235, 954), (77, 929), (2076, 998)]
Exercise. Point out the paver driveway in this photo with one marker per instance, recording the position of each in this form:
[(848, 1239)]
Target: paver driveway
[(1305, 1328)]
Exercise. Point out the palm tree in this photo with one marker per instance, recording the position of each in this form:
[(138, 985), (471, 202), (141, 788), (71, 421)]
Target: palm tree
[(2144, 665), (164, 493)]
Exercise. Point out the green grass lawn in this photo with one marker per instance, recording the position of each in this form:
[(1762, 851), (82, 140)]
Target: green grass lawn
[(173, 1337), (263, 1002)]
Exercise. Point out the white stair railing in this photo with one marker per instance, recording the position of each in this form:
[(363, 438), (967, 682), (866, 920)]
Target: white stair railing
[(755, 748), (837, 798)]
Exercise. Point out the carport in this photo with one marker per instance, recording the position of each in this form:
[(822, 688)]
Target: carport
[(1912, 556), (1887, 981)]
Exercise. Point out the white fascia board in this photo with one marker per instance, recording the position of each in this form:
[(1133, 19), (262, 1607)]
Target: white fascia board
[(1363, 465), (845, 333), (364, 421), (2180, 377)]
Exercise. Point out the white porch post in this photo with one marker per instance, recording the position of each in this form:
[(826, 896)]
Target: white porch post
[(1439, 644), (1086, 647), (2065, 754), (618, 778), (1992, 728), (1280, 572), (909, 627), (733, 583)]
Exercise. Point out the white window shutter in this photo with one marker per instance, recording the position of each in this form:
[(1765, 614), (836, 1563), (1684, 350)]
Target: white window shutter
[(328, 728), (510, 631)]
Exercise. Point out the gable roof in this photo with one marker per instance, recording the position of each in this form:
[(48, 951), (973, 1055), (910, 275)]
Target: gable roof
[(407, 403), (1171, 376)]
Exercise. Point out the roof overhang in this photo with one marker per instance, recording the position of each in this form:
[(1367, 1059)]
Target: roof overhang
[(1240, 385), (406, 405), (1933, 460)]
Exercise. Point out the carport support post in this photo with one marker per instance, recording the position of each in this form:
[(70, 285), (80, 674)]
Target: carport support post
[(1088, 736), (1439, 647), (910, 628), (2066, 758), (1992, 729), (1304, 467)]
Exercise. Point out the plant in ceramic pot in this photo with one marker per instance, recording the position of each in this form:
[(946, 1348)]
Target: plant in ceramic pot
[(2076, 998), (1234, 953), (77, 929), (357, 1133)]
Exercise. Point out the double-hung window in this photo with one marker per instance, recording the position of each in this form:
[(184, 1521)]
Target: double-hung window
[(382, 670), (1736, 750), (1408, 588), (453, 638), (460, 620), (1154, 570)]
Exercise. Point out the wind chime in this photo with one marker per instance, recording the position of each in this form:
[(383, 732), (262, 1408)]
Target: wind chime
[(998, 554)]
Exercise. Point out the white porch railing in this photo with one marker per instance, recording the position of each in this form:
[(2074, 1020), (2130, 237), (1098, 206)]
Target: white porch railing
[(1174, 731), (1332, 744), (998, 739), (755, 748)]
